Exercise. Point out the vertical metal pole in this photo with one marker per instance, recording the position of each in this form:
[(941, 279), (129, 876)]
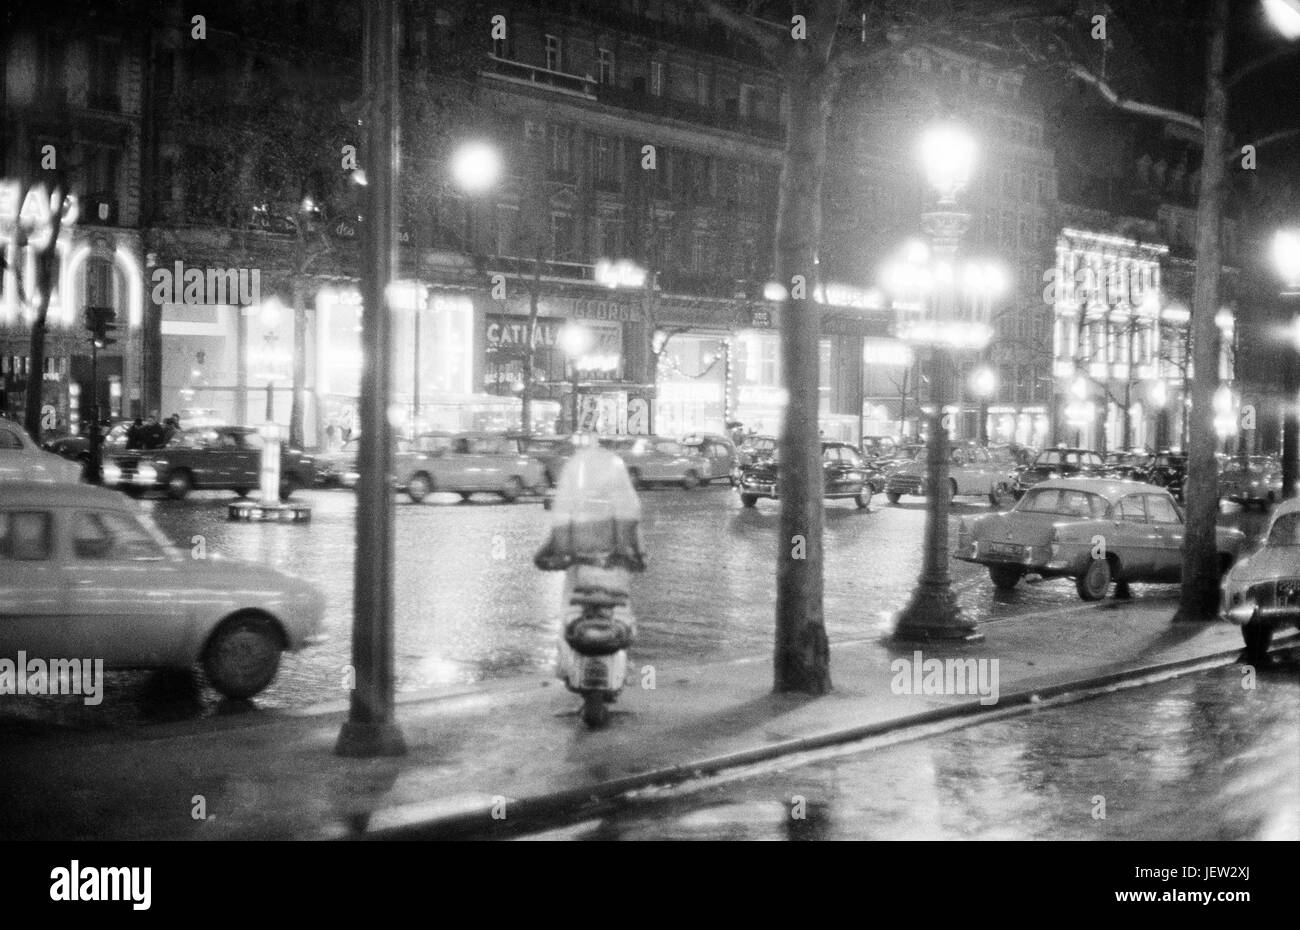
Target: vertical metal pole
[(371, 728), (95, 472), (1290, 423), (415, 378)]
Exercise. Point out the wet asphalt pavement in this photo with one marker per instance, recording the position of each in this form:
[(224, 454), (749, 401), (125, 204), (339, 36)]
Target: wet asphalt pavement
[(470, 606), (1199, 757)]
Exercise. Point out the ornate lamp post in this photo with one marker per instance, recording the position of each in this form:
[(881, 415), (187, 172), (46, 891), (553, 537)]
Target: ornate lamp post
[(1286, 258), (948, 154), (576, 340)]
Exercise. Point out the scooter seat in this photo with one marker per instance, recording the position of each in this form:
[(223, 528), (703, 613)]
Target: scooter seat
[(597, 635), (599, 597)]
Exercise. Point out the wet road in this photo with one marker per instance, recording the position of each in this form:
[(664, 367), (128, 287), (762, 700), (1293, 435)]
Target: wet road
[(1195, 758), (470, 606)]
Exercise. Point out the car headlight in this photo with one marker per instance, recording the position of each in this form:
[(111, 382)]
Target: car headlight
[(1051, 475), (146, 474), (111, 473)]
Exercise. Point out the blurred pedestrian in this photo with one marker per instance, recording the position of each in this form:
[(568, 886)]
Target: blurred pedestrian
[(135, 435)]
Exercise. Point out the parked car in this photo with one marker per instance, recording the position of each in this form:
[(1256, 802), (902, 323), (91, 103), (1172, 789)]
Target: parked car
[(1165, 470), (655, 460), (22, 460), (1125, 465), (338, 468), (1261, 593), (1254, 482), (902, 455), (1094, 530), (971, 471), (466, 463), (222, 458), (723, 456), (84, 573), (844, 476), (1056, 463)]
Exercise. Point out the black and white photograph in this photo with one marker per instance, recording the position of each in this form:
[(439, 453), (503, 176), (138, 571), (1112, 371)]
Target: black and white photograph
[(651, 420)]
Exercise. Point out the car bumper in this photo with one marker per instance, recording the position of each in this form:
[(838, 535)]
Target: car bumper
[(143, 476), (1030, 558)]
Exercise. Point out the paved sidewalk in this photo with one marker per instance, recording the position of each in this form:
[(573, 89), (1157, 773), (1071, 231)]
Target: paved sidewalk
[(275, 775)]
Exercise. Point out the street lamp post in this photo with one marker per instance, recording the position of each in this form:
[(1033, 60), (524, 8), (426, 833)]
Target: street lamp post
[(933, 612), (575, 340)]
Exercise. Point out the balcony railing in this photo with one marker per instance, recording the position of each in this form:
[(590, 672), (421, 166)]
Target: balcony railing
[(684, 110), (518, 72)]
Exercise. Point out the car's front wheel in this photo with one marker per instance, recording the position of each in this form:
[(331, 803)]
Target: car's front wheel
[(1258, 636), (512, 490), (1095, 581), (749, 500), (1005, 577), (419, 487), (691, 480), (893, 497), (863, 498), (243, 655), (179, 484)]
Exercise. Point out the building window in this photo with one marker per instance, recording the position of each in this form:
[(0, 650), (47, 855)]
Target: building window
[(606, 66), (610, 237), (554, 54), (702, 89), (657, 78), (608, 176), (561, 237), (746, 99), (561, 149), (702, 252), (104, 55)]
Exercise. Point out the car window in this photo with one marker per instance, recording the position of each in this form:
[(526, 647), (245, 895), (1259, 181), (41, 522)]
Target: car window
[(253, 441), (959, 456), (668, 447), (26, 536), (831, 454), (1080, 504), (1048, 458), (1161, 509), (460, 446), (1285, 531), (1131, 510), (851, 456), (115, 537), (1063, 502)]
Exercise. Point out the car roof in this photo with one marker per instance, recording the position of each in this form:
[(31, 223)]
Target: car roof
[(1290, 505), (1110, 488), (19, 494)]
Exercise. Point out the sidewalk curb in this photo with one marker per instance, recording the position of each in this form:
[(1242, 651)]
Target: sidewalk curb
[(538, 807)]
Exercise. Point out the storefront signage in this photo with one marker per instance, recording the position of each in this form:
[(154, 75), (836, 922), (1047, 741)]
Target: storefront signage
[(579, 308), (760, 318)]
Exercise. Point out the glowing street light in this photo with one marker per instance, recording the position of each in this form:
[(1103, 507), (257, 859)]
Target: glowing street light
[(475, 166), (983, 382), (948, 155), (1285, 16), (575, 340), (1286, 256)]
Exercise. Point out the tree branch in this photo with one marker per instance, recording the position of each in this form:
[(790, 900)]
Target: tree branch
[(1134, 106)]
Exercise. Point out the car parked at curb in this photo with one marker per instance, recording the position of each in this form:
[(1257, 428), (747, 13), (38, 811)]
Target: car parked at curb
[(971, 471), (84, 572), (1255, 481), (1051, 464), (844, 476), (221, 458), (1261, 593), (337, 468), (1093, 530), (21, 459), (656, 460)]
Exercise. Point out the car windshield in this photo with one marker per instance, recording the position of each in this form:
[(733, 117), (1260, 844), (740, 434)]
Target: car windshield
[(1285, 530), (1063, 502), (667, 447)]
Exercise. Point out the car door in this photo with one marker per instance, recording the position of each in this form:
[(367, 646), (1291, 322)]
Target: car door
[(33, 590), (1135, 539), (832, 469), (244, 465), (1167, 525), (123, 591)]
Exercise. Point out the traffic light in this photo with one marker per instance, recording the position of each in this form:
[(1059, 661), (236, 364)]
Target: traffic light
[(101, 323)]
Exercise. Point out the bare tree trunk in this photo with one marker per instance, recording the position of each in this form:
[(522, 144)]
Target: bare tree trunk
[(1200, 589), (802, 659), (47, 260), (296, 433), (530, 348)]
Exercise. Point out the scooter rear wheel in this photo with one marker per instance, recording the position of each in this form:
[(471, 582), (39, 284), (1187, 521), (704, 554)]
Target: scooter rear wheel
[(595, 712)]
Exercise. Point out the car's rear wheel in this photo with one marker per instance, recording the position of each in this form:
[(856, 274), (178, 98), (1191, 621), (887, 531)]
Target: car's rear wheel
[(749, 500), (512, 490), (1257, 636), (1095, 581), (179, 484), (419, 487), (893, 497), (243, 655), (691, 480), (1005, 577), (863, 498)]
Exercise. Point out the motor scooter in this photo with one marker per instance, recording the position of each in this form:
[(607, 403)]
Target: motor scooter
[(596, 540)]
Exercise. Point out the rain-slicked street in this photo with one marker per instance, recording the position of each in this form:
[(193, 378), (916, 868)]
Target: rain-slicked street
[(471, 607), (1194, 758)]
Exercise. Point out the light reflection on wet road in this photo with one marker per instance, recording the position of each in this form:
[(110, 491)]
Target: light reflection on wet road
[(1197, 757), (470, 606)]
